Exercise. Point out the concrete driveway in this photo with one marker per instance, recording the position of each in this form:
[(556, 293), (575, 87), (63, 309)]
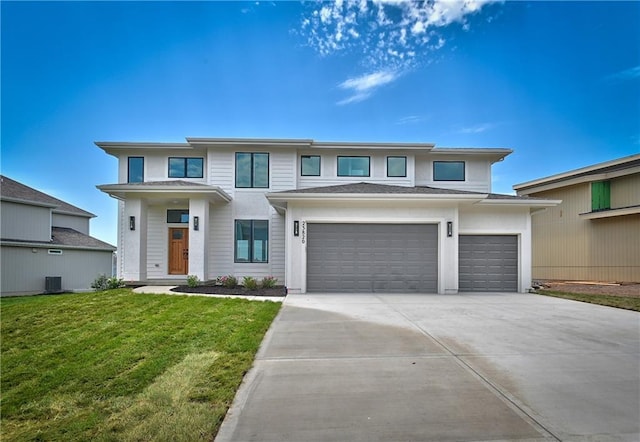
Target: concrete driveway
[(466, 367)]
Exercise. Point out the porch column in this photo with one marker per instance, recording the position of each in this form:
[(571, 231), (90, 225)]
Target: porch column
[(199, 239), (134, 242)]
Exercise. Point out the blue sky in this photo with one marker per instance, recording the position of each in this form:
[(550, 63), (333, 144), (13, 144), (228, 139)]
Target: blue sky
[(558, 82)]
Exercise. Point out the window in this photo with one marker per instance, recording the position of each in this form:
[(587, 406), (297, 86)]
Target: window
[(600, 195), (252, 170), (353, 166), (252, 241), (396, 166), (310, 165), (448, 171), (135, 170), (185, 167), (177, 216)]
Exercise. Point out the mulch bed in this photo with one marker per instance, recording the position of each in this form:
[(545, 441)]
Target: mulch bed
[(220, 290)]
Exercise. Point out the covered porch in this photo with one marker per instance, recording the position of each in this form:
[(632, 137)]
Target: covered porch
[(164, 229)]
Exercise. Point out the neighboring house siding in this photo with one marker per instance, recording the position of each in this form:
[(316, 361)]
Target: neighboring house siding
[(78, 269), (73, 222), (566, 246), (25, 222)]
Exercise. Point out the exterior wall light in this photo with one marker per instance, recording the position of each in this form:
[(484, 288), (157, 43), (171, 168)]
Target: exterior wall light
[(449, 229), (296, 228), (132, 223), (196, 223)]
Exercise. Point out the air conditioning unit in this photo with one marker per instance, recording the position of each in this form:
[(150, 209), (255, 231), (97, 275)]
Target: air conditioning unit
[(53, 284)]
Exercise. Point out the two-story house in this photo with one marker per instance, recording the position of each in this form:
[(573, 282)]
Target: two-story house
[(594, 235), (320, 216), (46, 244)]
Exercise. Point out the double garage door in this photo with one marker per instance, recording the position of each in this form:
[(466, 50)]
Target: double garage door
[(403, 258), (369, 258)]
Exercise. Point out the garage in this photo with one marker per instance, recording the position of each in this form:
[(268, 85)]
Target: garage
[(488, 263), (370, 258)]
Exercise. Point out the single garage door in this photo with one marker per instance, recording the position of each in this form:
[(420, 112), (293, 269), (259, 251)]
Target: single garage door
[(488, 263), (368, 258)]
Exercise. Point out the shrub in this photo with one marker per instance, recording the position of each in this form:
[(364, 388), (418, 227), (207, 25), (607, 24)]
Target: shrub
[(269, 282), (103, 283), (228, 281), (250, 282), (193, 281)]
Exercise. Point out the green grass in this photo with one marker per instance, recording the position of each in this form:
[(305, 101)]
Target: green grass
[(628, 303), (115, 365)]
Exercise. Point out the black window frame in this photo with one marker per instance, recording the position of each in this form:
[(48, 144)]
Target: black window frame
[(253, 186), (464, 170), (405, 166), (185, 167), (129, 169), (353, 156), (182, 212), (251, 242), (302, 157)]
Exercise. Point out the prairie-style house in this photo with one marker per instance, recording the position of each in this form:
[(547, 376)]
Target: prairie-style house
[(320, 216), (594, 235), (46, 243)]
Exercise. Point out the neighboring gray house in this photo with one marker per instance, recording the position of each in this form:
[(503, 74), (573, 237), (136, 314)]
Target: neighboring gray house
[(45, 243)]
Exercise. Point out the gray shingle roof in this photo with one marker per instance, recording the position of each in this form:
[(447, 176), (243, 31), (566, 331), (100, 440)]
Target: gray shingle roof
[(370, 188), (65, 237), (12, 189)]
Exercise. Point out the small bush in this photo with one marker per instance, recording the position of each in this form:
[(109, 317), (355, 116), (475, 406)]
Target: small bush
[(103, 283), (193, 281), (228, 281), (269, 282), (250, 282)]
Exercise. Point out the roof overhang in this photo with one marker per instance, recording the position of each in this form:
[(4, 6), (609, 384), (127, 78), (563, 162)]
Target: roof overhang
[(599, 172), (115, 148), (493, 154), (165, 191)]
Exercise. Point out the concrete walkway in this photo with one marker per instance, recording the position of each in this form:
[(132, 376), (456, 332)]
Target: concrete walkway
[(166, 290), (442, 368)]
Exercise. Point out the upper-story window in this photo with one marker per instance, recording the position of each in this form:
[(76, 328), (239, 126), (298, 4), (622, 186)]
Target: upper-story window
[(186, 167), (396, 166), (252, 169), (600, 195), (310, 165), (135, 170), (448, 171), (354, 166)]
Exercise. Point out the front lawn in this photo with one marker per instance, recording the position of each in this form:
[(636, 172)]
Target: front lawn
[(117, 366)]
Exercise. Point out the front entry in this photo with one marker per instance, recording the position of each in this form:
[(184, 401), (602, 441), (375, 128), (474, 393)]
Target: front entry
[(178, 251)]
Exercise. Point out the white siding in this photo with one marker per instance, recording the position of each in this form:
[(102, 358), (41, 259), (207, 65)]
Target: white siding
[(221, 170), (277, 246), (157, 253), (156, 164), (25, 222), (282, 165), (221, 240)]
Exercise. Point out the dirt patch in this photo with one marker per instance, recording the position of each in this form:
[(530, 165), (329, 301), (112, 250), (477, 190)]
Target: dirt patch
[(591, 288)]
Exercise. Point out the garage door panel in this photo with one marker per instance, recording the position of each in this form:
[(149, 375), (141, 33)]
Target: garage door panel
[(372, 257), (488, 262)]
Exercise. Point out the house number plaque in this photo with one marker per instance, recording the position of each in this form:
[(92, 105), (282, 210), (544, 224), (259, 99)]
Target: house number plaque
[(304, 232)]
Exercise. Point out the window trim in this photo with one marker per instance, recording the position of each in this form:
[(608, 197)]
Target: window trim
[(353, 156), (183, 212), (405, 166), (186, 169), (235, 242), (464, 170), (129, 169), (319, 165), (252, 186)]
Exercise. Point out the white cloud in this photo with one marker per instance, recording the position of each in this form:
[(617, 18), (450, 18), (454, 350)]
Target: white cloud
[(387, 35), (478, 128), (362, 87), (627, 74)]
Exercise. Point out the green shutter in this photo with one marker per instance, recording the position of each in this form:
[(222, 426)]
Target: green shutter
[(600, 195)]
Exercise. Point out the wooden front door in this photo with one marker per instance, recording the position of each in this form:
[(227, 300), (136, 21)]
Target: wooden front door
[(178, 251)]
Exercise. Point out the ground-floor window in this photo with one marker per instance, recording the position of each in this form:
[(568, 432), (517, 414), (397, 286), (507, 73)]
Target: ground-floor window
[(251, 240)]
